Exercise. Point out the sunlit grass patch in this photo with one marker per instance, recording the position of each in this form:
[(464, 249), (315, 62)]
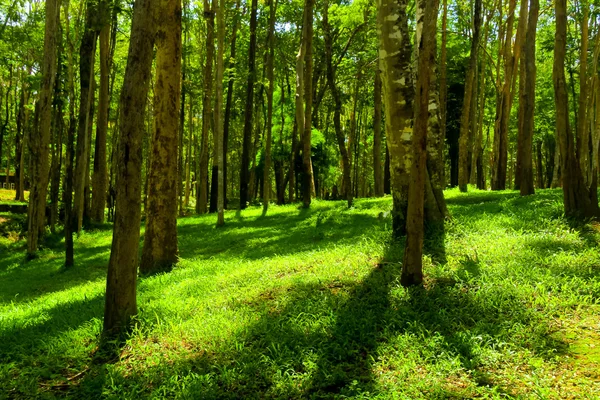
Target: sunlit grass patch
[(307, 304)]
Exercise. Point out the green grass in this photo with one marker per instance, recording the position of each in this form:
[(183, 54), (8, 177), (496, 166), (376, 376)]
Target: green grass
[(308, 304)]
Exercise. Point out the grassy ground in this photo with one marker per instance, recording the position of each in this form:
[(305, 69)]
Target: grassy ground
[(307, 304)]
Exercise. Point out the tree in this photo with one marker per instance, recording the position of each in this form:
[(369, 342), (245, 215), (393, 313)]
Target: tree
[(525, 146), (579, 201), (412, 266), (40, 141), (100, 176), (248, 110), (465, 120), (307, 182), (377, 171), (218, 108), (271, 80), (160, 240), (120, 304), (398, 93), (202, 177)]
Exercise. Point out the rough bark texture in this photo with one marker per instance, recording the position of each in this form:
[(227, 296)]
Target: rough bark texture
[(579, 201), (100, 177), (249, 107), (525, 148), (398, 93), (120, 303), (412, 266), (465, 120), (40, 140), (160, 240)]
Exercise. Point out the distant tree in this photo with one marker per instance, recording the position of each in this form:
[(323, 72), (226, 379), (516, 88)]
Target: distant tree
[(271, 83)]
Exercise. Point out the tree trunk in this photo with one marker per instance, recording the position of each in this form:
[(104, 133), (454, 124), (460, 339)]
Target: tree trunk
[(579, 201), (583, 137), (57, 135), (218, 108), (271, 80), (202, 176), (525, 148), (249, 107), (160, 240), (377, 172), (40, 139), (100, 177), (339, 134), (398, 92), (412, 266), (70, 151), (86, 72), (121, 304), (465, 121)]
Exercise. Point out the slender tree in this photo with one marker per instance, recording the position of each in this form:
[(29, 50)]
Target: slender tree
[(465, 120), (218, 108), (248, 111), (269, 122), (121, 305), (40, 140)]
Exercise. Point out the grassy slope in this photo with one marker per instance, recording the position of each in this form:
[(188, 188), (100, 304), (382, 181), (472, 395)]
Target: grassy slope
[(304, 304)]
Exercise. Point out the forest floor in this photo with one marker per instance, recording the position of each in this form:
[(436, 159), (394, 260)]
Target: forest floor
[(308, 304)]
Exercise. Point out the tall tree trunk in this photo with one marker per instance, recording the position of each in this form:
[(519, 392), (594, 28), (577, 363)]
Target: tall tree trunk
[(202, 176), (86, 72), (398, 92), (412, 266), (583, 136), (539, 165), (121, 305), (271, 80), (525, 148), (218, 108), (337, 113), (443, 82), (229, 101), (57, 135), (464, 145), (579, 201), (100, 177), (183, 172), (70, 150), (40, 139), (249, 107), (160, 240), (377, 172)]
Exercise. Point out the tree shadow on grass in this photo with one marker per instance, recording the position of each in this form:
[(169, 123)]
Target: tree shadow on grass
[(324, 340)]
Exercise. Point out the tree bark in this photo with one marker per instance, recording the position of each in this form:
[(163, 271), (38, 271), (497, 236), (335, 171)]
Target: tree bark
[(525, 148), (464, 145), (202, 176), (398, 92), (120, 305), (218, 108), (412, 266), (579, 201), (160, 240), (271, 80), (40, 140), (249, 107), (377, 172), (100, 177)]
